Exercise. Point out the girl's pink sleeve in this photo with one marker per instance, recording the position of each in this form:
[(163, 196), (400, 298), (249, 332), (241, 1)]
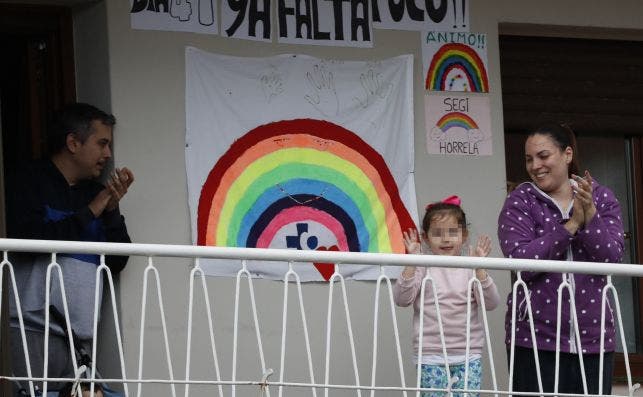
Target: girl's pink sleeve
[(405, 291), (489, 293)]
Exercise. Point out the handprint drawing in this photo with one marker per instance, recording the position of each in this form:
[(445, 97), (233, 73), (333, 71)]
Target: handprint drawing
[(323, 95), (373, 87), (271, 84)]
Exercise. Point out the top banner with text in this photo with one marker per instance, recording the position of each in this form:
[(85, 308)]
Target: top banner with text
[(347, 23)]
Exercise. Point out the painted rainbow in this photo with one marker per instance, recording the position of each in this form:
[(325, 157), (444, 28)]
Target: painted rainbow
[(461, 57), (456, 119), (302, 170)]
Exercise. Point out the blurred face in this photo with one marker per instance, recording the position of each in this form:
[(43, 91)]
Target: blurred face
[(445, 236), (546, 164), (91, 156)]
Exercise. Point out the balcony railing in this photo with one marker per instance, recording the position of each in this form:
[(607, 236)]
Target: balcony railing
[(267, 380)]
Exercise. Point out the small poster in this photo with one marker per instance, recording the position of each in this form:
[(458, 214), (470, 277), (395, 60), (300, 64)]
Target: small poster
[(175, 15), (457, 124), (455, 61)]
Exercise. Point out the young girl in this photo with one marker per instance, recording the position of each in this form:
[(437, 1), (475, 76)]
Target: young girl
[(445, 233)]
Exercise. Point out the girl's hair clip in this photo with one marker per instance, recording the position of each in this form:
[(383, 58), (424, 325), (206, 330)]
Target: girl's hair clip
[(453, 200)]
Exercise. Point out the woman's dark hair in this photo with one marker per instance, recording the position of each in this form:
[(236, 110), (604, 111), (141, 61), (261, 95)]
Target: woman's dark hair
[(75, 118), (563, 137), (439, 210)]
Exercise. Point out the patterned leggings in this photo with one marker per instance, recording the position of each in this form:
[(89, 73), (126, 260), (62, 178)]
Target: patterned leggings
[(435, 377)]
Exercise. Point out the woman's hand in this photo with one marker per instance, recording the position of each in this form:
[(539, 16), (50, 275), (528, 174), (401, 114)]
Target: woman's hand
[(577, 219), (411, 242), (584, 194)]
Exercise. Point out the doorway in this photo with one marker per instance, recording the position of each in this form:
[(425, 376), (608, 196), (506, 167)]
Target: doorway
[(36, 78)]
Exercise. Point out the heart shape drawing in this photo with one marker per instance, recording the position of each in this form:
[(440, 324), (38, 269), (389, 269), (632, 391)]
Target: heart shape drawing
[(326, 269)]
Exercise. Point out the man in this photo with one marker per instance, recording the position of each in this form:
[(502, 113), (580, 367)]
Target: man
[(61, 198)]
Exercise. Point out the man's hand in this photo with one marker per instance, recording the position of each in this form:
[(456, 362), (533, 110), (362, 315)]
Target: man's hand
[(99, 203), (118, 183)]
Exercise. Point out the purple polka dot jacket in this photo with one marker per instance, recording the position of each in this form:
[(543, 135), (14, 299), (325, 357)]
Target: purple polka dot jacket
[(531, 226)]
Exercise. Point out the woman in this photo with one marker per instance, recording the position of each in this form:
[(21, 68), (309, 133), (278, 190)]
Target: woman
[(560, 216)]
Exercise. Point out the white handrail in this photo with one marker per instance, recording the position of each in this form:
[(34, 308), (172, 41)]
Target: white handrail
[(284, 323), (288, 255), (208, 307), (151, 251)]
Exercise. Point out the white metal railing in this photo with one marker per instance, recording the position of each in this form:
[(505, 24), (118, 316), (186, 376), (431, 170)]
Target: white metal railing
[(153, 251)]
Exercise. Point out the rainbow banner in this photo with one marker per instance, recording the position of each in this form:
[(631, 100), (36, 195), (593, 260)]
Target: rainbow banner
[(295, 152), (455, 62)]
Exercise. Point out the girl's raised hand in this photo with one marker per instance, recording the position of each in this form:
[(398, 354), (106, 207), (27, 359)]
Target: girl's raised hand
[(411, 242), (482, 248)]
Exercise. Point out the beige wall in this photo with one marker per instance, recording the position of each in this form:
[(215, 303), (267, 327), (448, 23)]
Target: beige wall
[(147, 92), (92, 55)]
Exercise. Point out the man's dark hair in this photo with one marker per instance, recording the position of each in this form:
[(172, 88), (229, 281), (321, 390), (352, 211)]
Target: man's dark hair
[(75, 118)]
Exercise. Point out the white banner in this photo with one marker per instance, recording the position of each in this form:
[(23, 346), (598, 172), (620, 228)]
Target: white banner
[(298, 152)]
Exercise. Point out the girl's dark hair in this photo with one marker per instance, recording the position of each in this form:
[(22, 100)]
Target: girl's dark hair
[(563, 137), (439, 210)]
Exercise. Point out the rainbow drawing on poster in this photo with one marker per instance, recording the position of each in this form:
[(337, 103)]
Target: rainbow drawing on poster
[(460, 59), (456, 119), (296, 171)]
